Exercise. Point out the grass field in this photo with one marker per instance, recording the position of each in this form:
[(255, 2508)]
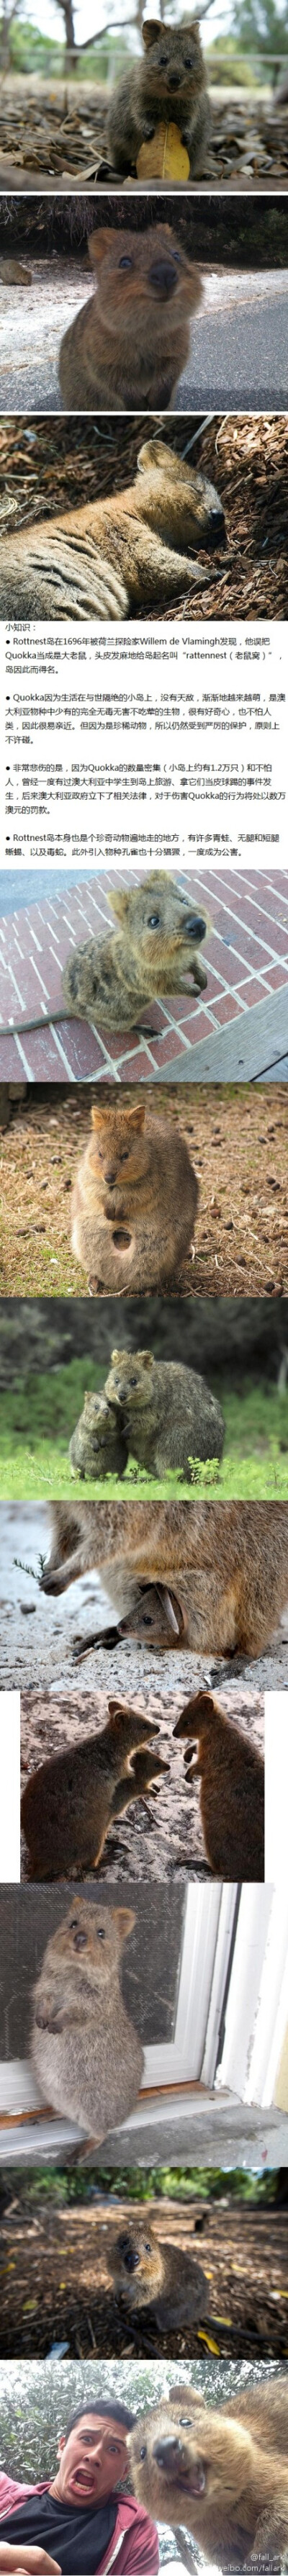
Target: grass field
[(37, 1420)]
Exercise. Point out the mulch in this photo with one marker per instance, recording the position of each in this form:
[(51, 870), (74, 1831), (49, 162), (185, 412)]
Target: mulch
[(48, 2266), (64, 137), (48, 464)]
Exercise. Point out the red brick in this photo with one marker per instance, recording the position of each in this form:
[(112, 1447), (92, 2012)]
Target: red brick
[(229, 966), (164, 1049), (252, 991), (229, 1009), (10, 1060), (276, 975), (203, 1027), (138, 1069), (118, 1043)]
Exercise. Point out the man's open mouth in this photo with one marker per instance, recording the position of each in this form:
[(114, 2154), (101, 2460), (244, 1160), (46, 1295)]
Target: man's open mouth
[(83, 2483)]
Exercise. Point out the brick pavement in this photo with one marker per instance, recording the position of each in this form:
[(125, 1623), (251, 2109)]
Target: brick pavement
[(246, 954)]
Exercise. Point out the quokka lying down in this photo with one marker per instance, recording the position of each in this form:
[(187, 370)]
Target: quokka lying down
[(227, 1563), (111, 557), (128, 344)]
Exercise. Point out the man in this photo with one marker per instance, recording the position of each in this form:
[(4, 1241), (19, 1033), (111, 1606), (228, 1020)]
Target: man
[(80, 2523)]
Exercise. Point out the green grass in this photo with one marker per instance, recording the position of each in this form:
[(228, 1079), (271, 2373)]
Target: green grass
[(37, 1419)]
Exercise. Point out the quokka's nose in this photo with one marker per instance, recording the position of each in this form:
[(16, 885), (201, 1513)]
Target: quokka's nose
[(217, 528), (163, 276), (174, 80), (169, 2454), (110, 1177), (195, 928)]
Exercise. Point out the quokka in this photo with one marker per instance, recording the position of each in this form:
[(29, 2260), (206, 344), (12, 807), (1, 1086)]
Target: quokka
[(86, 2053), (111, 557), (127, 346), (226, 1562), (134, 1201), (231, 1773), (169, 83), (221, 2471)]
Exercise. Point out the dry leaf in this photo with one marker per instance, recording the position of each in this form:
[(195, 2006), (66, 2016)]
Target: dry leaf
[(165, 157)]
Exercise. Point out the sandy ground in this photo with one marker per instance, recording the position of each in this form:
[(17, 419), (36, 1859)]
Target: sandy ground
[(238, 345), (56, 2279), (162, 1835)]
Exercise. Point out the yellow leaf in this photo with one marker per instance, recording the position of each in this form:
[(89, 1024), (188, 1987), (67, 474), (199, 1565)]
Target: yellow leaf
[(165, 157), (205, 2338)]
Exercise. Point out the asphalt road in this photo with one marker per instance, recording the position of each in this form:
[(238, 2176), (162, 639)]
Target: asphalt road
[(239, 346), (239, 342)]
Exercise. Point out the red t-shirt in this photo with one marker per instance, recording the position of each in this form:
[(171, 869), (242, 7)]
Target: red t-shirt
[(134, 2545)]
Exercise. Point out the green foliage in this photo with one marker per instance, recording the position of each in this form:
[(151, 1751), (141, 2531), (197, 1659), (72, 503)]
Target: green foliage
[(36, 2399), (260, 25), (38, 1417)]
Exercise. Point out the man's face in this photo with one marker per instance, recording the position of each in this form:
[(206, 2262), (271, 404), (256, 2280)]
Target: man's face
[(91, 2461)]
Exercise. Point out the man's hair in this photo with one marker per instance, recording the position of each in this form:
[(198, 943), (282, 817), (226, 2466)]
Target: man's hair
[(102, 2406)]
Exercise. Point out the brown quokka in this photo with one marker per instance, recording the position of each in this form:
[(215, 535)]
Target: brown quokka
[(147, 2274), (227, 1562), (128, 345), (111, 557), (232, 1788), (168, 1413), (97, 1447), (152, 950), (86, 2053), (68, 1803), (168, 83), (133, 1207), (221, 2471)]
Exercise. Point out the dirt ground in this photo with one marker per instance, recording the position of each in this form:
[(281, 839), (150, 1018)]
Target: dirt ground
[(238, 1143), (37, 1636), (49, 2260), (48, 464), (58, 129), (161, 1835)]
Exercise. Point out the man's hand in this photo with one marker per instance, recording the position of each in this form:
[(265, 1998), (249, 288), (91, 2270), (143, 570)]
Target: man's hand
[(27, 2562)]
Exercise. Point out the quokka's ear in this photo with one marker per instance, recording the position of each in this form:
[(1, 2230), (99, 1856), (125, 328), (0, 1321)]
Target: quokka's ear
[(98, 243), (136, 1116), (116, 1355), (151, 31), (119, 903), (193, 2397), (145, 1357), (97, 1115), (124, 1917), (116, 1708)]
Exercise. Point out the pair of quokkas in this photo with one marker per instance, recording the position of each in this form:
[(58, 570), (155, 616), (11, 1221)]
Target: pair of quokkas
[(158, 1410), (69, 1804)]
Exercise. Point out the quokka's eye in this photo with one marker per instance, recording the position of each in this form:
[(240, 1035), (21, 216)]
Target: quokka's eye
[(154, 921), (125, 262)]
